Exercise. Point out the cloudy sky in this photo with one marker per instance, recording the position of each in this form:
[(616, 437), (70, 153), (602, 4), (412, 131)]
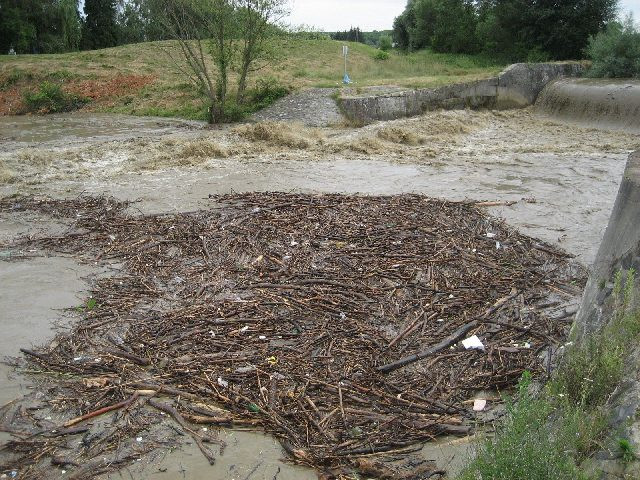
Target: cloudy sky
[(332, 15)]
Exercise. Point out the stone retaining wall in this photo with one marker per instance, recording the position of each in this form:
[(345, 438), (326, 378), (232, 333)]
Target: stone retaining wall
[(516, 87)]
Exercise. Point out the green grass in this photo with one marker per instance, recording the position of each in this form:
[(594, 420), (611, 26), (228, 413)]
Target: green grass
[(300, 63), (550, 434)]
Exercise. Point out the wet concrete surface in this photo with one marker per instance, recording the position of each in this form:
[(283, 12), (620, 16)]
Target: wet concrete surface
[(564, 183)]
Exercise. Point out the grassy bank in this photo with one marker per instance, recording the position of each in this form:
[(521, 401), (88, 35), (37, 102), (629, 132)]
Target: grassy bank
[(550, 434), (141, 79)]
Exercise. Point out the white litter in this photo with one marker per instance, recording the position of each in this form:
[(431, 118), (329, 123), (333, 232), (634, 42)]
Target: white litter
[(473, 343), (293, 243), (138, 439), (244, 329), (262, 337), (479, 405), (222, 383), (491, 235), (498, 245), (527, 345)]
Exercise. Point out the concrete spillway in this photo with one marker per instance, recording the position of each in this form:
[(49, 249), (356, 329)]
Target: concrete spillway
[(600, 103)]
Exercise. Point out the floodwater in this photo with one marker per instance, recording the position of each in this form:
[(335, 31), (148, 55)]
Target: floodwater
[(563, 179)]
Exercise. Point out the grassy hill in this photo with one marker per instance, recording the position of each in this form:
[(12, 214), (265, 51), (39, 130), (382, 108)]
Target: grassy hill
[(142, 79)]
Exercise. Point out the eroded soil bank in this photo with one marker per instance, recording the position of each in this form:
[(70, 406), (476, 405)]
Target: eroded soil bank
[(562, 179)]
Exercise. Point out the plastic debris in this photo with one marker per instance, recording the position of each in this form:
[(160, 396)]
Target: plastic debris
[(138, 439), (479, 405), (473, 343), (491, 235), (222, 383), (244, 329)]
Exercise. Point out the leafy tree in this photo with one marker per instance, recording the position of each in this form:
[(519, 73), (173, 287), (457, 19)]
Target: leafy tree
[(385, 43), (515, 30), (256, 26), (70, 24), (454, 29), (39, 26), (100, 29), (444, 25), (616, 51), (542, 29), (132, 21), (403, 27)]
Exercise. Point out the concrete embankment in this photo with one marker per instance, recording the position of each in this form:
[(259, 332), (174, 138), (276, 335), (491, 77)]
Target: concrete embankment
[(601, 103), (619, 250), (617, 261), (516, 87)]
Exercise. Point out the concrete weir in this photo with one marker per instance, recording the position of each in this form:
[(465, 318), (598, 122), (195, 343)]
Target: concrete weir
[(601, 103), (516, 87)]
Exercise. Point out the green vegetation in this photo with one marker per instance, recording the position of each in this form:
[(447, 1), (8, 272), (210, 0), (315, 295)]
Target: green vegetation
[(302, 62), (385, 43), (627, 450), (381, 55), (616, 51), (515, 30), (550, 434), (50, 98)]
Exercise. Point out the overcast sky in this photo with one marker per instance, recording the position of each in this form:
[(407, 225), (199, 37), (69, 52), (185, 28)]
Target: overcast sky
[(333, 15)]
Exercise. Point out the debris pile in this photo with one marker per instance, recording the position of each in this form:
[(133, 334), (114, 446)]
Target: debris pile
[(344, 325)]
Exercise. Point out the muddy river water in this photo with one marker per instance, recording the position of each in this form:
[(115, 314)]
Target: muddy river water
[(562, 177)]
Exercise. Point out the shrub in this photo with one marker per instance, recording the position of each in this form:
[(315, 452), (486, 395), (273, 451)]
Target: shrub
[(385, 43), (381, 55), (526, 446), (50, 98), (267, 91), (616, 51)]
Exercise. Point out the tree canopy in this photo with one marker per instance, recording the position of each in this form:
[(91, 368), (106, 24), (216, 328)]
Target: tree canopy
[(517, 30)]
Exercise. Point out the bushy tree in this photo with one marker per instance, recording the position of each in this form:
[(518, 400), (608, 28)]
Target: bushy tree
[(100, 29), (455, 27), (447, 26), (616, 51), (521, 30), (517, 30), (385, 43), (39, 26)]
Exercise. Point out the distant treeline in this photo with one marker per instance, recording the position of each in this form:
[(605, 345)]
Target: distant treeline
[(357, 35), (515, 30), (55, 26)]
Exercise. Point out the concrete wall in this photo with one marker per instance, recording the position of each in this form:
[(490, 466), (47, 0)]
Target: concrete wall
[(620, 250), (516, 87)]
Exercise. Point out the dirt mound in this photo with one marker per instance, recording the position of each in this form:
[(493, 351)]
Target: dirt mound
[(330, 321)]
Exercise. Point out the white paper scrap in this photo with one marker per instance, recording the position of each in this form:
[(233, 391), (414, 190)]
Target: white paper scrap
[(473, 343)]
